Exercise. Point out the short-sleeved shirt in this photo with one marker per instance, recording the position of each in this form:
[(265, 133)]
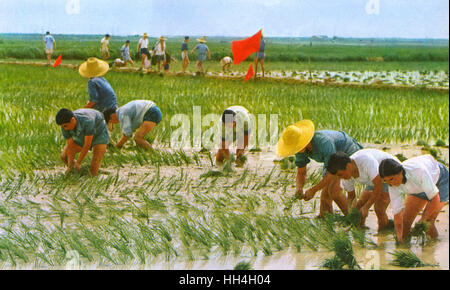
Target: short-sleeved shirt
[(202, 48), (226, 60), (102, 94), (367, 161), (422, 174), (89, 123), (184, 46), (242, 119), (104, 43), (49, 40), (324, 144), (131, 115), (262, 45), (160, 50), (125, 50), (143, 42)]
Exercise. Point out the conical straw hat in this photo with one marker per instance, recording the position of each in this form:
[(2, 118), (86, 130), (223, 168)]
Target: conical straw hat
[(93, 67), (295, 138)]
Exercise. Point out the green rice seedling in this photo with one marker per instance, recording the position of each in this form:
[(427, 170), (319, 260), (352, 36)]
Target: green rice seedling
[(419, 231), (401, 157), (333, 263), (343, 249), (353, 218), (361, 238), (440, 143), (212, 173), (422, 143), (407, 260)]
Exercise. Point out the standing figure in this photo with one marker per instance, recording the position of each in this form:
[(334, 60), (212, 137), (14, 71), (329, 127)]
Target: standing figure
[(50, 45), (142, 48), (160, 52), (202, 51), (125, 52), (185, 53), (104, 47), (260, 56)]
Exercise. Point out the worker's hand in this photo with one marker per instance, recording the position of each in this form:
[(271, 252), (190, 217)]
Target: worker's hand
[(77, 167), (299, 194), (68, 170), (309, 194)]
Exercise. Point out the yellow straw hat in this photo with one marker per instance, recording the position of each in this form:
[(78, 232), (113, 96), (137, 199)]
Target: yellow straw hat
[(162, 38), (295, 138), (202, 40), (145, 34), (93, 67)]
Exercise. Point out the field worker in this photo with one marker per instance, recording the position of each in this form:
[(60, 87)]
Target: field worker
[(424, 181), (140, 115), (83, 129), (237, 118), (101, 94), (202, 51), (125, 53), (260, 56), (185, 53), (301, 139), (362, 167), (118, 63), (142, 48), (50, 45), (104, 47), (226, 63), (159, 51), (167, 60)]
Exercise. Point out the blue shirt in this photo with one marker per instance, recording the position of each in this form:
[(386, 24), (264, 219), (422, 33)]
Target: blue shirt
[(125, 50), (324, 144), (48, 39), (89, 123), (262, 45), (131, 115), (184, 46), (202, 48), (102, 94)]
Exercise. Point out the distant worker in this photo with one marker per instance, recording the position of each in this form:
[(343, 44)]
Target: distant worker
[(142, 48), (237, 120), (84, 130), (159, 52), (101, 94), (167, 60), (260, 56), (125, 53), (140, 115), (185, 53), (50, 45), (202, 51), (226, 63), (104, 46)]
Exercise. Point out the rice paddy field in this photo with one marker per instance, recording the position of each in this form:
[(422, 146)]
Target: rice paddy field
[(175, 209)]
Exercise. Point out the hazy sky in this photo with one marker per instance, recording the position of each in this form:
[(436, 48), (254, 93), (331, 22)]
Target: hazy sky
[(346, 18)]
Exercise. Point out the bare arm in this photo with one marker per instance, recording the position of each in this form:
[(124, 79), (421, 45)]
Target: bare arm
[(122, 141), (398, 224), (89, 105), (300, 180), (70, 154), (84, 150)]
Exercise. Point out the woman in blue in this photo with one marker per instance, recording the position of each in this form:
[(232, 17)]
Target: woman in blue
[(83, 129), (301, 139), (140, 115), (259, 56), (101, 95), (202, 51)]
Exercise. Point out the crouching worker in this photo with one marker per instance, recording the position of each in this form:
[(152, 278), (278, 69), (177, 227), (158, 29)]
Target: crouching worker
[(301, 139), (235, 119), (140, 115), (424, 181), (362, 168), (83, 129)]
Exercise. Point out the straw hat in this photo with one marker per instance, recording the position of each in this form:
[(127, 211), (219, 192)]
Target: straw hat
[(162, 38), (295, 138), (145, 34), (93, 67), (202, 40)]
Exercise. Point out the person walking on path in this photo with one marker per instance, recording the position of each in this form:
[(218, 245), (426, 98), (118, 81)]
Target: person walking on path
[(142, 48), (202, 51), (160, 52), (101, 94), (104, 47), (125, 53), (50, 45), (84, 130), (362, 167), (185, 53), (260, 56), (415, 184), (302, 140), (140, 115)]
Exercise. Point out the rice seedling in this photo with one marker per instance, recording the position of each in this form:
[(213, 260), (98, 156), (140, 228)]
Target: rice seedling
[(407, 260)]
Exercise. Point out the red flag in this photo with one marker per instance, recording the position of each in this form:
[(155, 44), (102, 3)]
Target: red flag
[(58, 61), (249, 74), (243, 48)]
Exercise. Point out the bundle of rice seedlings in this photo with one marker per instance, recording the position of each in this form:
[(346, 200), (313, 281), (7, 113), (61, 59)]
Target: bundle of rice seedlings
[(353, 218), (212, 173), (240, 161), (407, 260), (401, 157), (243, 266), (420, 228), (342, 246), (333, 263)]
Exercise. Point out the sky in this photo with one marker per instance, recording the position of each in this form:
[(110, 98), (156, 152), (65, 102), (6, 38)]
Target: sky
[(289, 18)]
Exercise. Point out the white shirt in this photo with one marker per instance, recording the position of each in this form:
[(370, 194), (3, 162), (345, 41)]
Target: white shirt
[(367, 161), (143, 42), (159, 50), (422, 174), (226, 60), (104, 43)]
